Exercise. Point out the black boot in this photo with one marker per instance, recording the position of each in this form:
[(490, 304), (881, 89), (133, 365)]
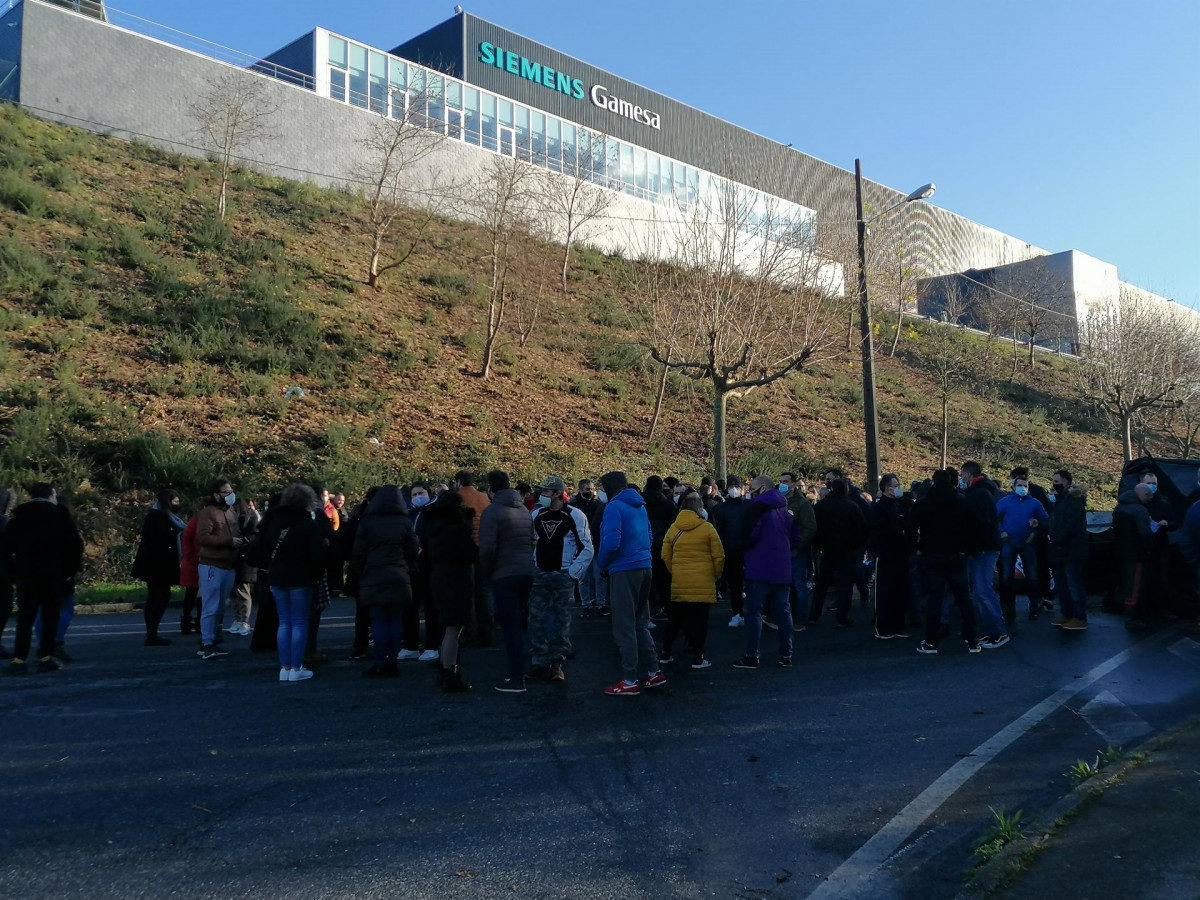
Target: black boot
[(187, 625), (452, 681)]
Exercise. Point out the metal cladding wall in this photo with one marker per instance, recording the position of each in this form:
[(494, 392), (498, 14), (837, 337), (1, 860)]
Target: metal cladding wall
[(941, 241)]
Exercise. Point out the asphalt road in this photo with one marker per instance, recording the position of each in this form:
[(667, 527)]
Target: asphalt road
[(145, 772)]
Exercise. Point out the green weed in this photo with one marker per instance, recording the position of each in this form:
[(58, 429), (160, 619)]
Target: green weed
[(1002, 831)]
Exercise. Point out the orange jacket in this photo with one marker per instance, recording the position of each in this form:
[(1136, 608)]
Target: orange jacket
[(477, 501)]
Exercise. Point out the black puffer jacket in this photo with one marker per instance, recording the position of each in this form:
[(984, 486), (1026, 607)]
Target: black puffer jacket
[(449, 549), (889, 529), (841, 525), (41, 545), (942, 523), (157, 559), (506, 537), (984, 526), (385, 551), (662, 513), (1068, 526), (296, 561), (730, 520)]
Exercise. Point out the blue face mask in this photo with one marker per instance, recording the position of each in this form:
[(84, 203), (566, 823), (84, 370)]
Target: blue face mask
[(420, 500), (962, 484), (1021, 491), (784, 488), (1153, 488)]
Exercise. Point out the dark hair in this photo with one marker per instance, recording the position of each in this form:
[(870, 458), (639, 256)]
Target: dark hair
[(653, 483), (952, 474), (368, 496), (43, 490), (165, 496), (497, 481), (298, 497), (583, 481), (887, 479), (708, 481), (216, 484), (943, 476), (464, 478), (670, 482), (972, 469), (721, 484), (839, 486), (523, 487), (836, 473), (1021, 472), (791, 475), (1065, 476), (317, 488)]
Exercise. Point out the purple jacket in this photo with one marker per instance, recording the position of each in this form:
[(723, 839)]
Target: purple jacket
[(768, 551)]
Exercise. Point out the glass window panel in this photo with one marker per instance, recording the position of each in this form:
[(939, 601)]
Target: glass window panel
[(639, 168), (337, 52), (453, 95), (693, 185), (487, 111), (667, 178), (337, 84), (614, 164), (583, 152), (521, 117), (568, 147), (398, 74), (627, 173), (505, 113), (379, 75), (652, 163), (471, 104), (538, 129), (435, 109), (553, 143), (416, 80), (358, 75), (598, 158), (454, 119)]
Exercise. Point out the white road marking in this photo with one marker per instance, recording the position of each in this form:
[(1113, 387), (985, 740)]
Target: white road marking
[(852, 878), (1187, 649), (1113, 720)]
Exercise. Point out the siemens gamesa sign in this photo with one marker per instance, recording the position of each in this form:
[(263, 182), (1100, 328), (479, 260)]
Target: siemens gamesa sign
[(563, 83)]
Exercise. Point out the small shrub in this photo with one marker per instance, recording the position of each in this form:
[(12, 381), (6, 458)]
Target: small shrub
[(18, 193), (999, 834), (24, 269), (60, 178), (619, 357), (211, 233), (84, 215), (132, 250), (452, 287), (1082, 771)]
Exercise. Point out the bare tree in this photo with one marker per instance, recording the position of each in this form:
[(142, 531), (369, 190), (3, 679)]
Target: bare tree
[(234, 113), (1036, 304), (503, 201), (1139, 353), (944, 352), (392, 154), (575, 202), (742, 301)]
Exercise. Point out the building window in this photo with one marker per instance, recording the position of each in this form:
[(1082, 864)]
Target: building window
[(378, 81), (521, 119), (568, 148), (537, 147), (553, 144), (471, 105), (487, 109), (358, 75), (337, 52), (435, 106), (652, 163), (337, 84)]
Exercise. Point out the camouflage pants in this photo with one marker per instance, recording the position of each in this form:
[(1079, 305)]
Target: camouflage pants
[(550, 604)]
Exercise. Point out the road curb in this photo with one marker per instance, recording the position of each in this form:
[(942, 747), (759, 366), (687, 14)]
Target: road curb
[(1007, 864), (96, 609)]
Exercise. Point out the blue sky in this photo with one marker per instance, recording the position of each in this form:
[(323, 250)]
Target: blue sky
[(1072, 124)]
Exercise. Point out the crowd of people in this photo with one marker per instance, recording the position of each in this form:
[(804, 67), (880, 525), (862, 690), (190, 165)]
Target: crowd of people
[(436, 568)]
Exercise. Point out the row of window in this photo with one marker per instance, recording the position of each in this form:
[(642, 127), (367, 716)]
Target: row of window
[(390, 86)]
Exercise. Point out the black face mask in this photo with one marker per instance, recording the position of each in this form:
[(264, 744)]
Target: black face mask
[(1059, 488), (587, 495)]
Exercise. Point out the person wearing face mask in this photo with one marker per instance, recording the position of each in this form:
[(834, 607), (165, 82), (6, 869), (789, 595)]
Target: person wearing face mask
[(562, 553), (219, 537), (1042, 540), (420, 497), (842, 536), (592, 594), (983, 542), (805, 516), (770, 535), (693, 553), (158, 559), (505, 536), (1135, 536), (1068, 543), (709, 495), (891, 545), (1167, 521), (661, 513), (1021, 518), (729, 518)]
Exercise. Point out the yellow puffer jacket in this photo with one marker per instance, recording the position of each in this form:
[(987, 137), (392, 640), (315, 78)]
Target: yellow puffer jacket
[(693, 555)]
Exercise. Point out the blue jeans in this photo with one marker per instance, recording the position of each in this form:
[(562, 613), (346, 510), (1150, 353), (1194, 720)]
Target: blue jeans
[(1072, 594), (215, 585), (387, 624), (1008, 588), (799, 589), (593, 590), (292, 605), (510, 601), (66, 612), (759, 594), (982, 569)]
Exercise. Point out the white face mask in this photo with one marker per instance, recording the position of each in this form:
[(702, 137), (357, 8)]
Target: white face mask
[(735, 493), (677, 498), (230, 498), (704, 514), (603, 496), (898, 492), (545, 502)]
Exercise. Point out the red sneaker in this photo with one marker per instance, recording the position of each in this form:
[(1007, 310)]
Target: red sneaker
[(658, 679), (622, 689)]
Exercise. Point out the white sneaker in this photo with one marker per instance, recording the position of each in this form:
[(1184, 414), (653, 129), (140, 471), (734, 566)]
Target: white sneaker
[(284, 674), (651, 624), (737, 622), (429, 656), (409, 654), (301, 674)]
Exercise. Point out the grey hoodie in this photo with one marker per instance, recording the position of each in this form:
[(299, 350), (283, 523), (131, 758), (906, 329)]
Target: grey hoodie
[(506, 538)]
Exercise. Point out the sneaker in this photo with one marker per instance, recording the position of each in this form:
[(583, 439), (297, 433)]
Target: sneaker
[(701, 663), (886, 636), (845, 623), (17, 667), (798, 627), (1060, 621), (213, 652), (540, 670), (301, 674), (655, 679), (511, 686), (624, 689), (60, 652), (785, 661), (651, 625), (974, 646), (1048, 605), (737, 621), (926, 647), (556, 672), (658, 615), (283, 674), (665, 659), (408, 654), (1075, 625), (585, 613), (153, 641), (994, 641), (49, 664), (603, 612), (746, 662), (428, 656)]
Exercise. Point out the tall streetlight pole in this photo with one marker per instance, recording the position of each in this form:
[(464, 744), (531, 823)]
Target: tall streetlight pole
[(870, 416)]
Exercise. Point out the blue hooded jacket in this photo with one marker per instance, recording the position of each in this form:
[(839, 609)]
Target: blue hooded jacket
[(624, 534), (1015, 512), (768, 551)]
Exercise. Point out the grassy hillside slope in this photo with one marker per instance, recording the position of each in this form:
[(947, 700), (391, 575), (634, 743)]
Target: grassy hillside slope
[(146, 342)]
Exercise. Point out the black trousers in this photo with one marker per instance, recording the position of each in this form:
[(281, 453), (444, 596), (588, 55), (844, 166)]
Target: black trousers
[(158, 595), (839, 569), (692, 620), (660, 584), (735, 580), (32, 598), (191, 601), (940, 573), (6, 603), (892, 595)]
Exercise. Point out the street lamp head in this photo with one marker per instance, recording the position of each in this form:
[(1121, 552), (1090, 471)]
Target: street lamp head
[(924, 192)]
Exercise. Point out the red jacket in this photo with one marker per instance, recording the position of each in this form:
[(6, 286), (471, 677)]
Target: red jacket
[(189, 572)]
